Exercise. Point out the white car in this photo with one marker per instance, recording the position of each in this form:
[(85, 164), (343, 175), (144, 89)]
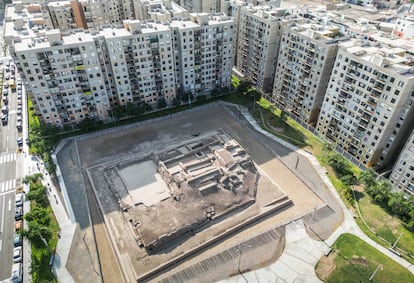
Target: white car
[(19, 196), (17, 254)]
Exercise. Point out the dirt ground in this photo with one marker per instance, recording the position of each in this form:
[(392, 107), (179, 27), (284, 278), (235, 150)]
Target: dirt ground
[(326, 266), (271, 158)]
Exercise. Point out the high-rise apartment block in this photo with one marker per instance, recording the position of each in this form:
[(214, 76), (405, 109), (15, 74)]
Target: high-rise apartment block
[(402, 176), (67, 15), (367, 110), (259, 34), (203, 53), (307, 53), (85, 73), (200, 6)]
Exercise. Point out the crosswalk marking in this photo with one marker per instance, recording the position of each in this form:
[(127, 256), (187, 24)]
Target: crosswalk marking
[(8, 158), (8, 185)]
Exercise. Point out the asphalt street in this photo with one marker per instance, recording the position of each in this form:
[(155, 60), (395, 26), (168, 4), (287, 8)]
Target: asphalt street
[(11, 169), (10, 161)]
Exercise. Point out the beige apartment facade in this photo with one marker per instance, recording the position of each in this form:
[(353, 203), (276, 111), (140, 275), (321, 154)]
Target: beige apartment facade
[(367, 109), (305, 61)]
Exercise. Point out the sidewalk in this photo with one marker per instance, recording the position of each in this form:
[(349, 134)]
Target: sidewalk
[(295, 268)]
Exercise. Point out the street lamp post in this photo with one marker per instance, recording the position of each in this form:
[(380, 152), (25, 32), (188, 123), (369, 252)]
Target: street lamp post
[(240, 254), (375, 272)]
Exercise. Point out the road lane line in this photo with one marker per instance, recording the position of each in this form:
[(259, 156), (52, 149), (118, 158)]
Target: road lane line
[(14, 183), (9, 204), (1, 244), (2, 215), (2, 186)]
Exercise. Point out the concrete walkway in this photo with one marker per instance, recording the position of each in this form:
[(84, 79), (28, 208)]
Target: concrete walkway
[(293, 268)]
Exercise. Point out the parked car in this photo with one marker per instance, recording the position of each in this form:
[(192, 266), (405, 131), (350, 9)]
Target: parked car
[(18, 213), (19, 196), (19, 125), (4, 119), (17, 271), (17, 240), (5, 110), (17, 254), (18, 226)]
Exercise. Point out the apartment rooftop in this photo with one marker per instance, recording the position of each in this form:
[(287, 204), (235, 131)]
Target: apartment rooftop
[(266, 12), (58, 3), (322, 33), (394, 59)]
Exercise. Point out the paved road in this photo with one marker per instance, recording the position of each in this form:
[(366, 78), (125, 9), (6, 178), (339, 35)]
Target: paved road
[(10, 171)]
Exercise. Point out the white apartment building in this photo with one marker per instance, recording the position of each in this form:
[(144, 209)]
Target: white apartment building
[(71, 14), (138, 62), (85, 73), (402, 176), (200, 6), (306, 57), (259, 34), (203, 53), (368, 106), (62, 76)]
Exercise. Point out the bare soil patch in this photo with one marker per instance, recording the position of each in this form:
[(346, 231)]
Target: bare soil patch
[(326, 266), (358, 260)]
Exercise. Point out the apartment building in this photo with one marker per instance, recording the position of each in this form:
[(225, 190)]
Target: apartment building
[(306, 57), (368, 107), (402, 176), (62, 76), (259, 34), (85, 73), (200, 6), (68, 15), (203, 53)]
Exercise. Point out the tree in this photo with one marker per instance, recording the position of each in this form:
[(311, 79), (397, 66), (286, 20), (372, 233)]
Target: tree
[(381, 193), (326, 146), (187, 96), (176, 101), (118, 112), (38, 214), (87, 124), (147, 107), (348, 180), (283, 116), (398, 205), (35, 232), (201, 98), (244, 86), (130, 109), (32, 178), (367, 177), (38, 195), (161, 103)]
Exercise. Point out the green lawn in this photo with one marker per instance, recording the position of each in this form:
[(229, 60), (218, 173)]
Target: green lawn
[(385, 225), (356, 261), (33, 119)]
